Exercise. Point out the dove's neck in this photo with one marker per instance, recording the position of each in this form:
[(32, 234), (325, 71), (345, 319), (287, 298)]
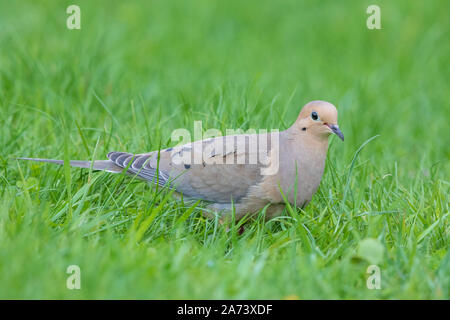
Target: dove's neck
[(306, 141), (309, 150)]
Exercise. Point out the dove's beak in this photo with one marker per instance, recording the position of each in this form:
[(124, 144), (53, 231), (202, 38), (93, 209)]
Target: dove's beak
[(336, 130)]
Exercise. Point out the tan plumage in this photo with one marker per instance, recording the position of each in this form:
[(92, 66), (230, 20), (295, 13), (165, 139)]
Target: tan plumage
[(248, 171)]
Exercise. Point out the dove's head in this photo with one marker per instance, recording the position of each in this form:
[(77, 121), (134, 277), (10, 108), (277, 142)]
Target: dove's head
[(319, 118)]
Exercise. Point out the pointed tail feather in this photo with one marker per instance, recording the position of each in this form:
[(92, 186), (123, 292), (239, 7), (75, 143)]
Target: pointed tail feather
[(104, 165)]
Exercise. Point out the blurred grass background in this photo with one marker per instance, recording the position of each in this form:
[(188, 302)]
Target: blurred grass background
[(138, 70)]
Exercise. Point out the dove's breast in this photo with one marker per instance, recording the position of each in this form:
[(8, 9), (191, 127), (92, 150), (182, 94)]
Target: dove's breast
[(309, 159), (301, 167)]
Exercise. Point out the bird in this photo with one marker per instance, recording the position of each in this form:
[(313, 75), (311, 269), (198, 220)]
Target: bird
[(238, 174)]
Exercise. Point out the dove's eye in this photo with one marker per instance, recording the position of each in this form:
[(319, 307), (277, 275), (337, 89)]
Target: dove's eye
[(314, 116)]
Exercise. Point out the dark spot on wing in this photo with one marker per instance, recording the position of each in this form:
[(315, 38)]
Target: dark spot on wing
[(187, 166)]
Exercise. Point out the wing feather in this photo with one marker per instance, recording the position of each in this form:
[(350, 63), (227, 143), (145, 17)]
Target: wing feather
[(219, 170)]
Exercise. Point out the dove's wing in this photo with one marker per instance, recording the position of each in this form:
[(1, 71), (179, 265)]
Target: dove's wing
[(220, 170), (140, 165)]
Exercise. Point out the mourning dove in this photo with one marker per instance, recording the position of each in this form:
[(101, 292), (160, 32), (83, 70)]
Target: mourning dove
[(246, 171)]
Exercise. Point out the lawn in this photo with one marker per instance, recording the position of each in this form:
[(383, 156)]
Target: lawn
[(136, 71)]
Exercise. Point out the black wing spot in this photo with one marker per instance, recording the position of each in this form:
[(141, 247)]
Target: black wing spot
[(187, 166)]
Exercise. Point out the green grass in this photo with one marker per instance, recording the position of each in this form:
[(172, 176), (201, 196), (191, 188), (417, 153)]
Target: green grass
[(135, 72)]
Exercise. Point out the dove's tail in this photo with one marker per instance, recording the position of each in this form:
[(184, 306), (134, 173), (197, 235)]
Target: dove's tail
[(104, 165)]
